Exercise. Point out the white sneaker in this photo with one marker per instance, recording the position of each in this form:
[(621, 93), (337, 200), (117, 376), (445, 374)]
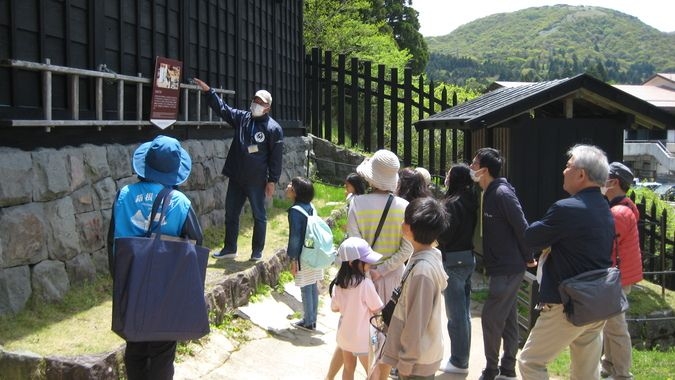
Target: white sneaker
[(451, 368)]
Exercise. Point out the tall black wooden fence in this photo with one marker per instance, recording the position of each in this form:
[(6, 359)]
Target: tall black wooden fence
[(351, 103)]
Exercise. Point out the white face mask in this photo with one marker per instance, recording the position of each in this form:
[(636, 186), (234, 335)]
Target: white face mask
[(257, 110), (473, 175), (603, 189)]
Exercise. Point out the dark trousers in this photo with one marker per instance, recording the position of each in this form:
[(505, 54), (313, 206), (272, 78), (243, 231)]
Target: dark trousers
[(234, 202), (500, 321), (149, 360)]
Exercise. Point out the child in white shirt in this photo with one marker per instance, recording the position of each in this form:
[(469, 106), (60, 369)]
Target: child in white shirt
[(356, 299)]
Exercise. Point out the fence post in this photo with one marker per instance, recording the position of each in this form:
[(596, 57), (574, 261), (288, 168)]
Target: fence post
[(432, 132), (379, 125), (394, 110), (341, 119), (443, 164), (355, 101), (407, 116), (367, 106), (327, 95), (315, 91)]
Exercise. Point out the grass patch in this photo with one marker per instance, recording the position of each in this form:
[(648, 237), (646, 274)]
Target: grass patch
[(647, 365), (79, 324)]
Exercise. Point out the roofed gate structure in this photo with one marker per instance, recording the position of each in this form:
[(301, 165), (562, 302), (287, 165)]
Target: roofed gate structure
[(534, 124)]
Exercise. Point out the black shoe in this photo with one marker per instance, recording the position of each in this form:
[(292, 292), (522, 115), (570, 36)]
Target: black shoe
[(224, 255), (302, 326), (506, 374), (256, 258), (393, 373), (489, 374)]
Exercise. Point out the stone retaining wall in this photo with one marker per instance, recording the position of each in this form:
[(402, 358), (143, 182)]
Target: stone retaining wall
[(55, 207)]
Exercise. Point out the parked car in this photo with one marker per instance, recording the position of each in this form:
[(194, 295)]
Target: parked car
[(666, 192), (649, 185)]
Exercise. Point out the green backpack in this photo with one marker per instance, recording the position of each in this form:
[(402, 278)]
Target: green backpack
[(317, 250)]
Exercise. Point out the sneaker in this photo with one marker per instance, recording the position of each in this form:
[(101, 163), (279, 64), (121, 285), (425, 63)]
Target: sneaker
[(506, 374), (256, 258), (393, 373), (224, 255), (451, 368), (489, 374), (302, 326)]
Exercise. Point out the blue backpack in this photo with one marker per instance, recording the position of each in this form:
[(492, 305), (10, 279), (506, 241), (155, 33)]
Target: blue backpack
[(317, 251)]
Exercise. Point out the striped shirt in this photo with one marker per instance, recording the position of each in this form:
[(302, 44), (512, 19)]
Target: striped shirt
[(365, 212)]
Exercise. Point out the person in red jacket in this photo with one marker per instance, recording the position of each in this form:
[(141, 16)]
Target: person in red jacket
[(626, 255)]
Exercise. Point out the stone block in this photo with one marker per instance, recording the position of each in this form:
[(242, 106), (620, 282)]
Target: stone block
[(119, 161), (16, 165), (21, 365), (23, 235), (106, 190), (63, 239), (81, 269), (50, 280), (92, 231), (50, 174), (96, 162), (83, 199), (15, 289)]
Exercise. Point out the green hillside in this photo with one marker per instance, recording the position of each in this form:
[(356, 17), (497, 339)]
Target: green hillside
[(551, 42)]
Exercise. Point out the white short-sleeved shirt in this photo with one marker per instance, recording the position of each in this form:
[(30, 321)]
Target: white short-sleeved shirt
[(356, 305)]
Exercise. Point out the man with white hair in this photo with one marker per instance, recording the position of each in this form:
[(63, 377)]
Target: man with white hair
[(580, 232)]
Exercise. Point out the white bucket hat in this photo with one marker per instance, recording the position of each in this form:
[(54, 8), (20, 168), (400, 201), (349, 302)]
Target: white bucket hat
[(381, 170)]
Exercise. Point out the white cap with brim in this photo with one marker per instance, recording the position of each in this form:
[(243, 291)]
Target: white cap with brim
[(265, 96), (355, 248), (381, 170)]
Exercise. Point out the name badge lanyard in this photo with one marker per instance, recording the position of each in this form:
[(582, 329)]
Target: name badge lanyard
[(241, 133)]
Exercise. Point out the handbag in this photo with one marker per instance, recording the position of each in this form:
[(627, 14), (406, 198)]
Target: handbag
[(593, 296), (158, 285)]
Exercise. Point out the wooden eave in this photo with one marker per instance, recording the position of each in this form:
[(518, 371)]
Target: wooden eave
[(499, 106)]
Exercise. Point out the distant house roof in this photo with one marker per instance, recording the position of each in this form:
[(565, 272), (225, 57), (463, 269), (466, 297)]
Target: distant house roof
[(665, 80), (658, 96), (588, 97)]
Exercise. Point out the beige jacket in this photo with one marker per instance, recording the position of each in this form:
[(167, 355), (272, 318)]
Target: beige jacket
[(414, 342)]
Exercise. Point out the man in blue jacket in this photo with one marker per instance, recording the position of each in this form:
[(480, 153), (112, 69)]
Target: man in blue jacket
[(505, 256), (253, 166), (580, 233)]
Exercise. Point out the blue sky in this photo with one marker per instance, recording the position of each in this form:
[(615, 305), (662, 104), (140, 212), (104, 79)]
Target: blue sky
[(440, 17)]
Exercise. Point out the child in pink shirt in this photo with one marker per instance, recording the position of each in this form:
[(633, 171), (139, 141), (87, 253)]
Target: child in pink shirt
[(356, 299)]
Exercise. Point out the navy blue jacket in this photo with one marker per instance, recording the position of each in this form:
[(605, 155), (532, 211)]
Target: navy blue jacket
[(244, 166), (297, 224), (580, 232), (504, 249)]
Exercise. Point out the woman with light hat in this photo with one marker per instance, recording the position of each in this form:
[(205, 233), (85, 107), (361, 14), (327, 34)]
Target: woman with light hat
[(365, 211), (159, 163)]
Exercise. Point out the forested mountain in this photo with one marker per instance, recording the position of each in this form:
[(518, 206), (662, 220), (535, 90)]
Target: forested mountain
[(551, 42)]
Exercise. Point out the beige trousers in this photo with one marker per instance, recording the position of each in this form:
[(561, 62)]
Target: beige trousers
[(549, 337), (617, 346)]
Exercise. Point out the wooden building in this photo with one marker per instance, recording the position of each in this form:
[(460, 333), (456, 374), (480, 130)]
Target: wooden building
[(535, 124), (237, 45)]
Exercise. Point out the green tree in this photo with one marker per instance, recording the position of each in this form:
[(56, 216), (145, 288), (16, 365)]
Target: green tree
[(347, 27), (403, 20)]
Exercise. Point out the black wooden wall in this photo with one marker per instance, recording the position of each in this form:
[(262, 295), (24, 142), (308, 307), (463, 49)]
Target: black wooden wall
[(241, 45)]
